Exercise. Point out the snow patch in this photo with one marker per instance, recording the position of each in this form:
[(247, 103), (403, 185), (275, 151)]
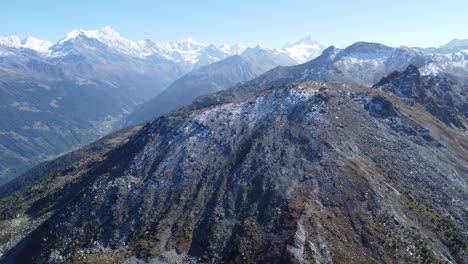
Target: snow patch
[(36, 44)]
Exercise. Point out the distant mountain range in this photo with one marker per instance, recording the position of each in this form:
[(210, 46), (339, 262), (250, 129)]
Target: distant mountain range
[(188, 52), (453, 46)]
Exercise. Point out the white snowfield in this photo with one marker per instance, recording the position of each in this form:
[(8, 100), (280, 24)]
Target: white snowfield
[(304, 50)]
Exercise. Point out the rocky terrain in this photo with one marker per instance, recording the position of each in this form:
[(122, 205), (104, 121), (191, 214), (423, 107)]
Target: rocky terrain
[(271, 172), (445, 99)]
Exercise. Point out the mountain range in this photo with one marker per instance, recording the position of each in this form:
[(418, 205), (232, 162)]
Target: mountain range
[(113, 82), (361, 63), (58, 96), (187, 52), (281, 171)]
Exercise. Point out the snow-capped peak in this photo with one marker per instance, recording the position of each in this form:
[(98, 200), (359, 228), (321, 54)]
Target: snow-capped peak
[(253, 51), (191, 41), (186, 50), (233, 49), (78, 32), (28, 43), (303, 50), (106, 34), (310, 41), (114, 39), (187, 45), (109, 30), (11, 41), (456, 44), (111, 38), (36, 44)]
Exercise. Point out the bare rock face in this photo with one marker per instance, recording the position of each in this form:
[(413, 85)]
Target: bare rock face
[(300, 173), (381, 107), (444, 99)]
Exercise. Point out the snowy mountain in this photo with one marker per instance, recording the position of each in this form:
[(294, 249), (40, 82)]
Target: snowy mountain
[(28, 43), (303, 50), (452, 65), (264, 59), (366, 63), (439, 62), (362, 63), (443, 98), (456, 45), (111, 38), (36, 44), (182, 51), (451, 47), (11, 41), (188, 53), (237, 48)]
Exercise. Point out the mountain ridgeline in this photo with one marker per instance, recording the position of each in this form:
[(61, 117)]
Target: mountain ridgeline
[(445, 99), (293, 171)]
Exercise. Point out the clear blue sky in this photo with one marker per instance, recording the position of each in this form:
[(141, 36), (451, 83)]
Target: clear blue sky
[(270, 23)]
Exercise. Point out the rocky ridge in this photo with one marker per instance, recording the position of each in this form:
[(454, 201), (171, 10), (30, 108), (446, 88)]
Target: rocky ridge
[(295, 173)]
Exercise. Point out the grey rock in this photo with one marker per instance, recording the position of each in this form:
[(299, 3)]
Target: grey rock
[(297, 173)]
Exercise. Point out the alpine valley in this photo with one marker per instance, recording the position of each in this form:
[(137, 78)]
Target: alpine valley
[(232, 154)]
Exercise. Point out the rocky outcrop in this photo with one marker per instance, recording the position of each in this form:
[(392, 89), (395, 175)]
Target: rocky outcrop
[(443, 98)]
